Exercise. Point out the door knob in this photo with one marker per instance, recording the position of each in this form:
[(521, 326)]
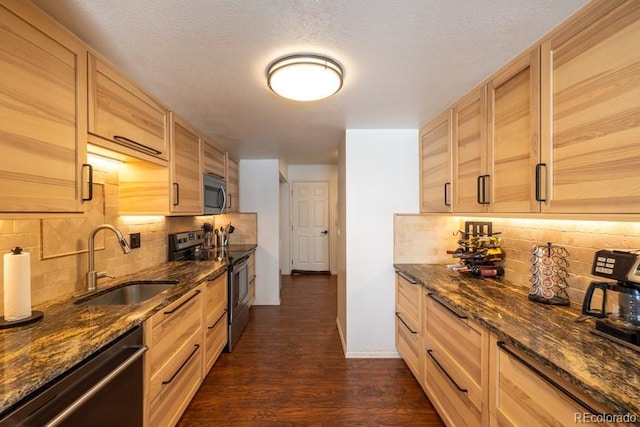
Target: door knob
[(324, 232)]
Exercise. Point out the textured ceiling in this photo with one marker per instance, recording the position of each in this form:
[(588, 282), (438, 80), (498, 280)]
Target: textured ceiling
[(404, 60)]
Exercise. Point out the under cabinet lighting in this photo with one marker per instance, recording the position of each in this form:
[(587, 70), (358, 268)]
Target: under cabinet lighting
[(103, 163)]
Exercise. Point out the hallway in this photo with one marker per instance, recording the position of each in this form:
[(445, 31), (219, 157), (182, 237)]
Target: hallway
[(288, 369)]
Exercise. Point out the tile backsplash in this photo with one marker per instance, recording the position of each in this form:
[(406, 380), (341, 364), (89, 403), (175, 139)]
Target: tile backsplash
[(425, 238), (58, 244)]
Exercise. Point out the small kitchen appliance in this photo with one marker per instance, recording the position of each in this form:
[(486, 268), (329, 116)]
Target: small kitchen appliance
[(618, 312)]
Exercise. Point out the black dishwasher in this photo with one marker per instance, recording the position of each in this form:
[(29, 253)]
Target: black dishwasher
[(104, 390)]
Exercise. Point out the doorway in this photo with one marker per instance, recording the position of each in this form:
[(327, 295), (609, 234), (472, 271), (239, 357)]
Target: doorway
[(310, 227)]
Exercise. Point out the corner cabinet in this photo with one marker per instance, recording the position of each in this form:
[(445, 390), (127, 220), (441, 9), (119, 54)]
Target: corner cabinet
[(408, 322), (124, 118), (43, 113), (186, 178), (591, 116), (435, 164)]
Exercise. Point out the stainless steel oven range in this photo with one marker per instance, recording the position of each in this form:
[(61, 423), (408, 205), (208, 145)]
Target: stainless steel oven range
[(189, 246)]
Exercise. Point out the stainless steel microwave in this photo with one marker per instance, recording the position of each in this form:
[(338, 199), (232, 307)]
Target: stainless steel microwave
[(214, 195)]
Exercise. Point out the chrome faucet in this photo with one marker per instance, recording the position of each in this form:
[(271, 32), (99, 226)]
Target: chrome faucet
[(92, 275)]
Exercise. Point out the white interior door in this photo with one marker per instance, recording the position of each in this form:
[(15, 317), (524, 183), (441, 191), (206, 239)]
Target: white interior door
[(310, 226)]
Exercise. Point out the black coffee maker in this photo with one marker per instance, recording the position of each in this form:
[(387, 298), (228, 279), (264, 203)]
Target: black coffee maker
[(621, 325)]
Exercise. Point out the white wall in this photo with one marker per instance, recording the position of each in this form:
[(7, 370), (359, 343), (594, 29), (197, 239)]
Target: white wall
[(260, 193), (382, 178), (327, 173)]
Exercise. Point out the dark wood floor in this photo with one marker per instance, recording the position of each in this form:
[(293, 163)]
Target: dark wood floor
[(288, 369)]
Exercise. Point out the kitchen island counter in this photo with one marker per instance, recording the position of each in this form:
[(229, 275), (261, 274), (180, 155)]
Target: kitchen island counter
[(606, 371)]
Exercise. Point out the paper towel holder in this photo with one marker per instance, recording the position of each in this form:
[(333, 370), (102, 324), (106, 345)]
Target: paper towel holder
[(35, 315)]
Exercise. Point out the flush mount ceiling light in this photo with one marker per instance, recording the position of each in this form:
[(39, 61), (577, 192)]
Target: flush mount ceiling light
[(305, 77)]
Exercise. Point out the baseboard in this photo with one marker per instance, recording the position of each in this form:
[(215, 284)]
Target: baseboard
[(372, 355), (256, 302)]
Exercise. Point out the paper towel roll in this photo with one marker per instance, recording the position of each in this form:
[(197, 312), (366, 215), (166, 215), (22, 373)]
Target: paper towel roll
[(17, 285)]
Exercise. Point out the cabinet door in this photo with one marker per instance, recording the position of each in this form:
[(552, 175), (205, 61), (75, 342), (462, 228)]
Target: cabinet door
[(214, 160), (186, 188), (591, 113), (408, 323), (513, 110), (123, 116), (42, 113), (233, 187), (469, 153), (435, 165)]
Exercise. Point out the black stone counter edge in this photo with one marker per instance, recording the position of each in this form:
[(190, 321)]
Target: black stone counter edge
[(598, 395)]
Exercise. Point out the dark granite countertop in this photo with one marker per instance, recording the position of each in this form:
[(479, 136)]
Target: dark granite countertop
[(606, 371), (35, 354)]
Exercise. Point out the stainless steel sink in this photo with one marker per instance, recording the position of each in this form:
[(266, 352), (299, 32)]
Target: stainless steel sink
[(133, 292)]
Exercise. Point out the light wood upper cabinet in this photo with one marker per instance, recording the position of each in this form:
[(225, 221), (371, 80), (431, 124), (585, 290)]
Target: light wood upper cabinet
[(435, 164), (470, 153), (233, 185), (214, 160), (124, 118), (591, 111), (42, 113), (186, 176), (513, 111)]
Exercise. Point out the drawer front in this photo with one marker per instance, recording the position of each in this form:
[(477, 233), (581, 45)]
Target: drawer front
[(408, 297), (520, 397), (215, 338), (461, 339), (173, 326), (408, 345), (453, 405), (215, 298), (172, 388), (455, 375)]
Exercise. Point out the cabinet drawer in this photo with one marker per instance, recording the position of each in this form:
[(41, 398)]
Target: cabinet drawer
[(453, 405), (408, 345), (520, 396), (172, 388), (215, 338), (172, 327), (408, 297), (458, 337), (215, 298)]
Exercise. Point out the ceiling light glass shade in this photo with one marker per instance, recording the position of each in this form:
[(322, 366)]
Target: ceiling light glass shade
[(305, 77)]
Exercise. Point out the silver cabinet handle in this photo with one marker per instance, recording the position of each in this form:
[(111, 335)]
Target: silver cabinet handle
[(548, 379), (95, 389)]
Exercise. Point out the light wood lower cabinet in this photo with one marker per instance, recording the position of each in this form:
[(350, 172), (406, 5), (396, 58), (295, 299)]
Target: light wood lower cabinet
[(173, 364), (215, 319), (455, 364), (523, 393), (408, 310)]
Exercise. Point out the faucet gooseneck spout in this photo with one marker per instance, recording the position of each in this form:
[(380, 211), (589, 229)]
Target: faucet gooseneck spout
[(92, 275)]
